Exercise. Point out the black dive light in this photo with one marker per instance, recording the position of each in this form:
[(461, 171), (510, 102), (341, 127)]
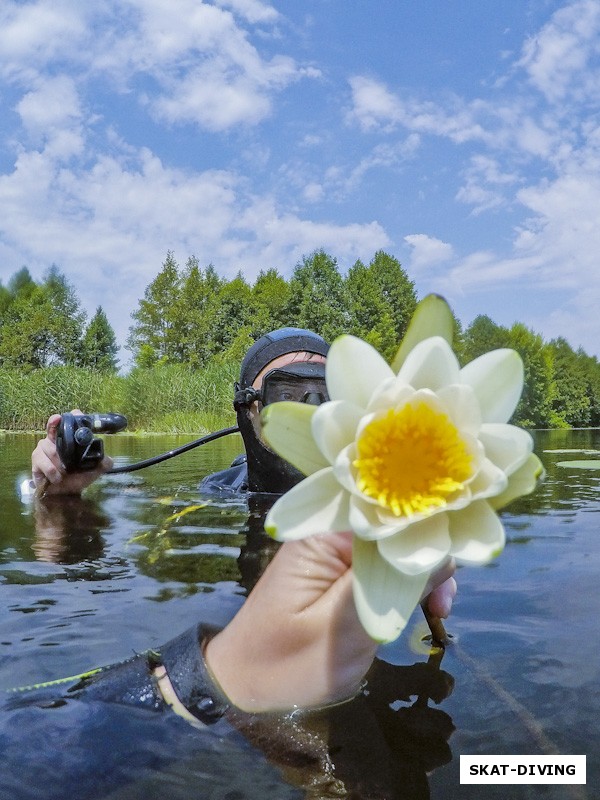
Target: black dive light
[(77, 446)]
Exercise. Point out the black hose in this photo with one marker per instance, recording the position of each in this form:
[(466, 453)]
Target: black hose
[(177, 451)]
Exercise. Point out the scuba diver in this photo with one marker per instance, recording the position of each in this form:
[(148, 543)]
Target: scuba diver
[(286, 364), (296, 643)]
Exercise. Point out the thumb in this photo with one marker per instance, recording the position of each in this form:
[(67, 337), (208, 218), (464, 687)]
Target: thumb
[(52, 427)]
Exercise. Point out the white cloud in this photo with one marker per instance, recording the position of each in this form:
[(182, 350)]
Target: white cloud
[(51, 115), (219, 95), (484, 270), (558, 58), (340, 180), (32, 34), (556, 246), (486, 185), (108, 225), (195, 60), (531, 149), (375, 106), (382, 156), (252, 10), (555, 249), (285, 238), (105, 209), (204, 64), (373, 103), (313, 192), (427, 251), (564, 234)]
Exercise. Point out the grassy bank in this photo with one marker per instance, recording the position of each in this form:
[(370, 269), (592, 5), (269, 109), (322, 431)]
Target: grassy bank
[(171, 399)]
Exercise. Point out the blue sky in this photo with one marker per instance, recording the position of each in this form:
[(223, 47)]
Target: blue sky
[(463, 138)]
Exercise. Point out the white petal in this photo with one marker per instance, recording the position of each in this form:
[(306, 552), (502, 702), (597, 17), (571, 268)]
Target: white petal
[(497, 379), (475, 450), (430, 365), (384, 597), (334, 427), (390, 394), (316, 505), (477, 533), (507, 446), (421, 547), (462, 407), (344, 469), (286, 427), (366, 522), (489, 481), (353, 370), (521, 482)]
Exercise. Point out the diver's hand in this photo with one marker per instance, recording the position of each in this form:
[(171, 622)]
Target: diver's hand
[(297, 640), (49, 472)]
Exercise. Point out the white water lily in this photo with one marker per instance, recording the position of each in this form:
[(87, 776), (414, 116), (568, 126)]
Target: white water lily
[(414, 463)]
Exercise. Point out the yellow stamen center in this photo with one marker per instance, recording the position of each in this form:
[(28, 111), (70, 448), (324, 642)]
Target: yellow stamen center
[(412, 460)]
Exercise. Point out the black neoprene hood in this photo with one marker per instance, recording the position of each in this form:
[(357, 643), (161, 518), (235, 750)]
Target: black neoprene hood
[(279, 343)]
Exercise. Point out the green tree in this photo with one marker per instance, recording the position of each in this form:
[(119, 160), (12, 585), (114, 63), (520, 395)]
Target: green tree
[(591, 368), (571, 402), (233, 311), (152, 338), (458, 338), (396, 289), (318, 299), (66, 324), (195, 311), (21, 284), (20, 323), (535, 407), (99, 346), (371, 315), (43, 324), (271, 296), (25, 338), (481, 336), (5, 301)]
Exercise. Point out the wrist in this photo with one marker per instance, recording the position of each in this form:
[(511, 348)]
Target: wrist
[(229, 671), (185, 680), (271, 675)]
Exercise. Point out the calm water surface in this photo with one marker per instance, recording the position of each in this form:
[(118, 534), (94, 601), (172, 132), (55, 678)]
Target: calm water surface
[(89, 582)]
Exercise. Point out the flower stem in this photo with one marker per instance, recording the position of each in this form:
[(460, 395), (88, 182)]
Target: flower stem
[(436, 626)]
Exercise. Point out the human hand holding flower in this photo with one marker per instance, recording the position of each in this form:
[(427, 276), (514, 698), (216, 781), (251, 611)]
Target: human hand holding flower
[(298, 636), (414, 463)]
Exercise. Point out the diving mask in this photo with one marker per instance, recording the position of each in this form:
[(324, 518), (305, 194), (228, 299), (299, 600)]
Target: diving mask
[(300, 381)]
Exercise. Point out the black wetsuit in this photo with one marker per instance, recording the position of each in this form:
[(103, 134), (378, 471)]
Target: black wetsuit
[(111, 743), (117, 744), (132, 682), (233, 480)]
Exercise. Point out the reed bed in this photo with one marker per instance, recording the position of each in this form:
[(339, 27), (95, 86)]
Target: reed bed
[(170, 398)]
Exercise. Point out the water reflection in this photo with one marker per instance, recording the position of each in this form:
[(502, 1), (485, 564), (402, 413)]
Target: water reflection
[(68, 530), (373, 747), (528, 623), (383, 744)]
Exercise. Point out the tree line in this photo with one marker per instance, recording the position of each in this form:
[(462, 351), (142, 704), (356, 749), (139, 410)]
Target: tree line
[(193, 317), (43, 325)]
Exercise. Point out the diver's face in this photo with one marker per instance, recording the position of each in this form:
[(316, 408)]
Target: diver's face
[(278, 363)]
